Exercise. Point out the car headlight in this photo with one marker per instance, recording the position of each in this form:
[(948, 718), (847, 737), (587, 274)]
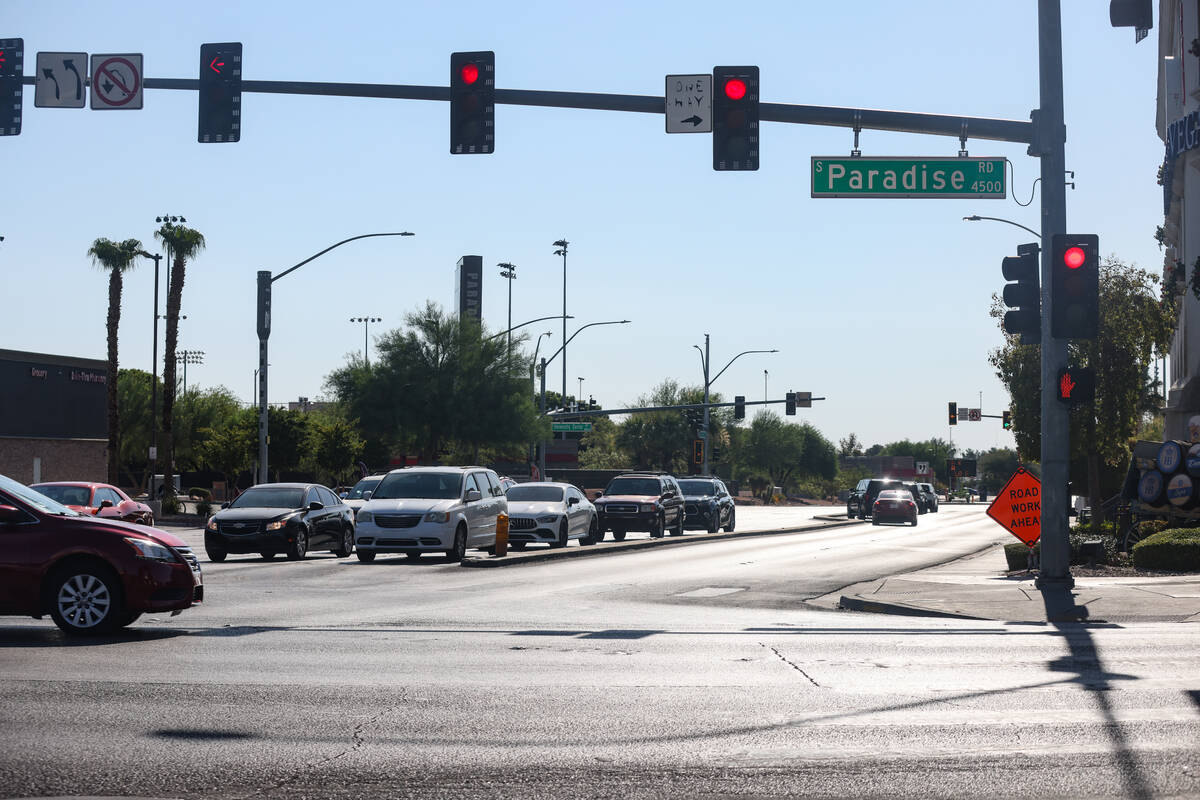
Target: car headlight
[(151, 551), (364, 516), (277, 524), (211, 525), (548, 518), (648, 507), (437, 516)]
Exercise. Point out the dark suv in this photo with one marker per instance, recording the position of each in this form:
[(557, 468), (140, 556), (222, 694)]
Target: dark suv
[(641, 501), (862, 496), (708, 504)]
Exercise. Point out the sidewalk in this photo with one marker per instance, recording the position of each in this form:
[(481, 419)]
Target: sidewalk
[(977, 587)]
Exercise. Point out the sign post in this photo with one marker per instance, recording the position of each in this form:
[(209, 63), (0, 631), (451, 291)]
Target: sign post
[(1018, 507)]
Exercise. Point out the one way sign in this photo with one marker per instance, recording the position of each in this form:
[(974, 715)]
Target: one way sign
[(689, 103)]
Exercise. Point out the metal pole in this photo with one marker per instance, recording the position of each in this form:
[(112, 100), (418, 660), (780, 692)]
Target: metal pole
[(264, 333), (154, 386), (705, 440), (1049, 144), (542, 442)]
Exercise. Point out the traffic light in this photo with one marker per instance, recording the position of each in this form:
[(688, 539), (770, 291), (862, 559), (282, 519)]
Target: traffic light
[(1007, 422), (1076, 385), (220, 116), (472, 102), (790, 404), (739, 407), (735, 118), (1131, 14), (698, 451), (12, 56), (1023, 296), (1075, 286), (953, 407)]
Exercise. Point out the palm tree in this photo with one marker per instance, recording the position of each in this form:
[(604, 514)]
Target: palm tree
[(183, 243), (116, 258)]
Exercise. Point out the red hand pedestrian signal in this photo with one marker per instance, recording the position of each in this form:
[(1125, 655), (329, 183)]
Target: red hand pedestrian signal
[(1076, 385), (1065, 386)]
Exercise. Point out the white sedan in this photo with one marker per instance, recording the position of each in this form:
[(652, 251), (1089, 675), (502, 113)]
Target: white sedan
[(550, 513)]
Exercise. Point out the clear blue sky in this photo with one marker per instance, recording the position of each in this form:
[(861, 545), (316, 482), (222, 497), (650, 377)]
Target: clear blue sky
[(879, 305)]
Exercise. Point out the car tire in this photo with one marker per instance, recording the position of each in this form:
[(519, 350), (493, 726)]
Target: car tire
[(678, 529), (732, 520), (128, 618), (366, 556), (456, 553), (594, 534), (914, 522), (347, 544), (214, 554), (714, 524), (874, 521), (267, 555), (561, 540), (298, 547), (618, 535), (658, 528), (85, 599)]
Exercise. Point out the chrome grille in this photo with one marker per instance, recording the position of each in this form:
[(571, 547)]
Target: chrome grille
[(620, 508), (397, 520), (522, 524), (239, 528), (189, 557)]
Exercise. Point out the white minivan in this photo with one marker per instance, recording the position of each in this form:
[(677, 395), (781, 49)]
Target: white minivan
[(418, 510)]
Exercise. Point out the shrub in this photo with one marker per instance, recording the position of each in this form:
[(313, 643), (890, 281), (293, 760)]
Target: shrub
[(170, 505), (200, 493), (204, 508), (1017, 555), (1172, 550), (1149, 527)]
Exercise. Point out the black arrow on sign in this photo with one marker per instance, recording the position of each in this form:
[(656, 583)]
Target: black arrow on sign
[(49, 74), (693, 119), (69, 64)]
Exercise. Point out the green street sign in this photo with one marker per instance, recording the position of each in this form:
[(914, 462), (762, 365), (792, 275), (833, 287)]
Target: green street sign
[(901, 176), (570, 427)]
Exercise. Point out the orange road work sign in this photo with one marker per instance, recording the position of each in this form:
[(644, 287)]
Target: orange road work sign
[(1018, 507)]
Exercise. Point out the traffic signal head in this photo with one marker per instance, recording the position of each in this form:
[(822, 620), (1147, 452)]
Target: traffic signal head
[(1131, 14), (472, 102), (1075, 286), (735, 118), (790, 404), (953, 408), (698, 451), (1024, 294), (739, 407), (1076, 385), (12, 56), (220, 115), (1007, 422)]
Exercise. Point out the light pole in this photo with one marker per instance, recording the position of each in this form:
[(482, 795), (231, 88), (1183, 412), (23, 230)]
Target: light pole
[(545, 361), (510, 272), (766, 397), (579, 394), (561, 244), (154, 378), (704, 362), (523, 324), (186, 357), (976, 218), (263, 324), (366, 321)]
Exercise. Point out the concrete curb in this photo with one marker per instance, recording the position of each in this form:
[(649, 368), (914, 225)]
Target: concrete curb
[(538, 556), (875, 607)]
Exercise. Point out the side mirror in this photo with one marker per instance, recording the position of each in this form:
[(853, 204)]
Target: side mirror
[(105, 504), (572, 501), (315, 505), (366, 496), (600, 493), (343, 495), (473, 495), (225, 505)]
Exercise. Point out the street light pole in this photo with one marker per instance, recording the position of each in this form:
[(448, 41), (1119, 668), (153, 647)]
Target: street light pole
[(561, 244), (265, 279), (579, 395), (154, 379), (366, 321), (704, 361), (976, 218), (510, 272), (186, 357)]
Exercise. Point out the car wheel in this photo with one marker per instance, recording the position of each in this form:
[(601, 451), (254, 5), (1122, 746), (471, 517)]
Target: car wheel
[(656, 530), (298, 547), (411, 556), (267, 555), (456, 553), (128, 618), (714, 524), (366, 556), (914, 520), (347, 545), (618, 535), (85, 599), (561, 540), (678, 531), (214, 554), (732, 520), (593, 535), (874, 521)]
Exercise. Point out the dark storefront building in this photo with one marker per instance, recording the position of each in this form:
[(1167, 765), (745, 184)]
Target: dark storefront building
[(53, 417)]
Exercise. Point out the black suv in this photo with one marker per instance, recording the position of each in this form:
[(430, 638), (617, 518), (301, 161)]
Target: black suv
[(862, 496), (641, 501), (707, 504)]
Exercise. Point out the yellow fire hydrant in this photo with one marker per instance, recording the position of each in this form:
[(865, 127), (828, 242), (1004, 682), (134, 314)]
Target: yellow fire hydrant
[(502, 535)]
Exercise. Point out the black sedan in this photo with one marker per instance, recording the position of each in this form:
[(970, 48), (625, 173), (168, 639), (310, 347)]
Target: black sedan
[(894, 505), (273, 518), (707, 504)]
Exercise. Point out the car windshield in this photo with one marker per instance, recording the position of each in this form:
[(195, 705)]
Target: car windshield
[(269, 497), (536, 494), (34, 498), (698, 488), (641, 486), (420, 485), (67, 495), (365, 485), (895, 494)]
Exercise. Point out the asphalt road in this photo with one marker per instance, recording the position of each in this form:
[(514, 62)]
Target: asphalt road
[(697, 669)]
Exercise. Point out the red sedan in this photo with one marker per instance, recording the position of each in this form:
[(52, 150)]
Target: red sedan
[(894, 505), (97, 499)]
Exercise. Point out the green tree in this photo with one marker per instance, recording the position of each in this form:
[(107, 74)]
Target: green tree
[(774, 448), (660, 439), (934, 451), (184, 244), (996, 466), (599, 448), (116, 258), (196, 413), (850, 446), (333, 446), (230, 447), (133, 398)]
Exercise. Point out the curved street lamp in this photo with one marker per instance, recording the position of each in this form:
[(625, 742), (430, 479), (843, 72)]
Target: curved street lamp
[(704, 362), (976, 218)]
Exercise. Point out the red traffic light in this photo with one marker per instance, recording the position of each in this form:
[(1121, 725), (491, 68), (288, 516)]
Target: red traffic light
[(735, 88), (1074, 257), (469, 73)]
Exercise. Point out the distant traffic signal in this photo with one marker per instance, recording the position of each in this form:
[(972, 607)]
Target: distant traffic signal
[(735, 118), (220, 113), (953, 408), (1131, 14), (698, 451), (739, 407), (790, 404), (1007, 422), (1076, 385), (12, 56), (1023, 296), (472, 102), (1075, 286)]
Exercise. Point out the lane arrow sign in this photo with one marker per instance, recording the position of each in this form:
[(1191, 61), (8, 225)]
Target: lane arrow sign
[(69, 64), (694, 120), (214, 64), (49, 73)]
